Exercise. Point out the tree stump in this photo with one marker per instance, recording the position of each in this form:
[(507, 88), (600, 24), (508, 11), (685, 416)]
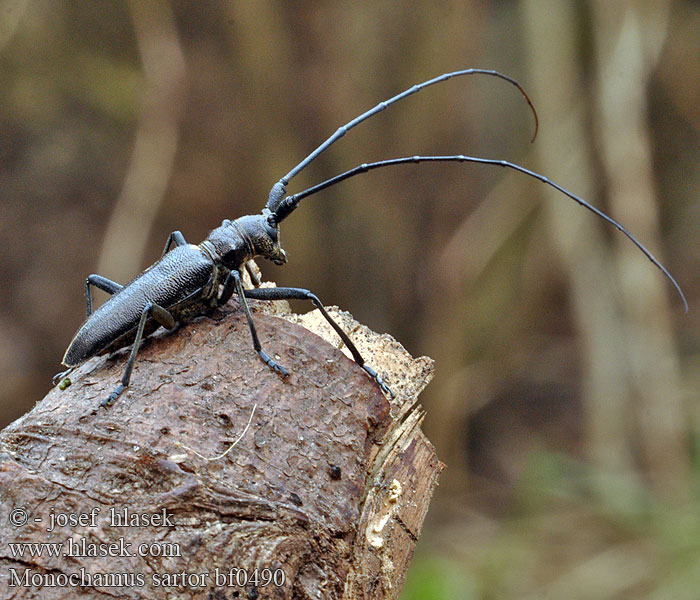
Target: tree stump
[(322, 497)]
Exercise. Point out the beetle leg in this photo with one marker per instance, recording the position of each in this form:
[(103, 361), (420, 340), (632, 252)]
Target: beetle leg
[(102, 283), (229, 285), (227, 291), (176, 237), (165, 319), (255, 280), (59, 376), (276, 367), (301, 294)]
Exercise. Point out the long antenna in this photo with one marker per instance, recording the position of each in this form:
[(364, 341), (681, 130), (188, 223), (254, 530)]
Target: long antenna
[(288, 204), (278, 190)]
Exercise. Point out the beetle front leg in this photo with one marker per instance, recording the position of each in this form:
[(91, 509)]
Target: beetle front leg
[(301, 294), (230, 284), (165, 319), (234, 280), (255, 280)]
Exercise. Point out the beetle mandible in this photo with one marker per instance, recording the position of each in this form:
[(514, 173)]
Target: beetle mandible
[(189, 280)]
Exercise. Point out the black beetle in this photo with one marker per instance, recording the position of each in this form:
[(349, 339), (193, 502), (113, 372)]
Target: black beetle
[(189, 280)]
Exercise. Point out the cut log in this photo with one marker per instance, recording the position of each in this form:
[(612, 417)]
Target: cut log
[(322, 497)]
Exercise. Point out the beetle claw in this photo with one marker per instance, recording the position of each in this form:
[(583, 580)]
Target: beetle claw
[(109, 400), (382, 386), (59, 376), (279, 369), (275, 366)]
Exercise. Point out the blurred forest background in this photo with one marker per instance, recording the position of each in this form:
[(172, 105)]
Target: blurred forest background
[(565, 403)]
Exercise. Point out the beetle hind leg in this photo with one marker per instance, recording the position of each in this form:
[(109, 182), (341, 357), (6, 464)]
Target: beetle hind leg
[(165, 319), (62, 375), (101, 283), (174, 238), (104, 284)]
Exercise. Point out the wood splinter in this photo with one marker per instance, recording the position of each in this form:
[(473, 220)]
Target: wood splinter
[(322, 497)]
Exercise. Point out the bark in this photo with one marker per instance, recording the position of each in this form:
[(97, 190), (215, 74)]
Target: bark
[(327, 488)]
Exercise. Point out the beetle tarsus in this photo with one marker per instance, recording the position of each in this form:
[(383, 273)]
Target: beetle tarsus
[(109, 400), (275, 366), (382, 386), (59, 376)]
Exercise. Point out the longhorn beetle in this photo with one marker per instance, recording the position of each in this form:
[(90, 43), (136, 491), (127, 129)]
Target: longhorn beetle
[(189, 280)]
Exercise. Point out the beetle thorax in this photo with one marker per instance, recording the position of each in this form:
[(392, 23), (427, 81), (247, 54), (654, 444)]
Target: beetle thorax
[(239, 241)]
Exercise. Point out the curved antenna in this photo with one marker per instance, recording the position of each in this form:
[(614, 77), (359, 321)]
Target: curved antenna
[(288, 204), (278, 190)]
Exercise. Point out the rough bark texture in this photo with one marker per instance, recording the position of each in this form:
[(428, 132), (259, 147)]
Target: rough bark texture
[(327, 489)]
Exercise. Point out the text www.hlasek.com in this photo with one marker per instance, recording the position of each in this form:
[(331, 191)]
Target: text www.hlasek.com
[(85, 548)]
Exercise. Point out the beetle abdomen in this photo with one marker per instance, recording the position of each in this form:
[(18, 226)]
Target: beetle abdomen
[(179, 276)]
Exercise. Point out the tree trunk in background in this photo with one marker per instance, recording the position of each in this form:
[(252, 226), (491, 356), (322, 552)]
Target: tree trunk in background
[(628, 41), (327, 488), (631, 391), (162, 104)]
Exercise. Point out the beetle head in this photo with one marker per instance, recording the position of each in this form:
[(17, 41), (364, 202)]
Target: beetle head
[(236, 242), (260, 238), (267, 243)]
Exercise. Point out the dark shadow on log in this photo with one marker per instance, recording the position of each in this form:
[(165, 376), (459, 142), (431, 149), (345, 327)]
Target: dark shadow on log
[(327, 489)]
